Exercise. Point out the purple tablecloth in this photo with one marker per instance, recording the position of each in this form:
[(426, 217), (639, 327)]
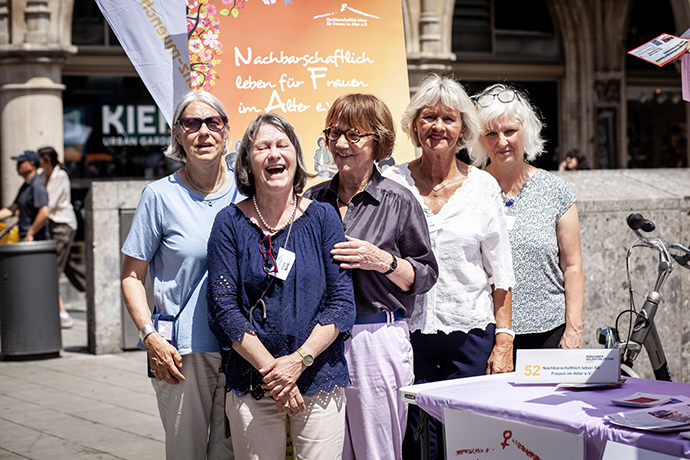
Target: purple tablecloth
[(579, 412)]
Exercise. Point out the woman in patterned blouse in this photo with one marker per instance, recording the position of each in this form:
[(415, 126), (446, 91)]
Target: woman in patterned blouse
[(279, 304), (542, 222)]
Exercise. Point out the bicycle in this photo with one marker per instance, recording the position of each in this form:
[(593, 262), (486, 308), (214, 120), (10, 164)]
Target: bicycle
[(643, 333)]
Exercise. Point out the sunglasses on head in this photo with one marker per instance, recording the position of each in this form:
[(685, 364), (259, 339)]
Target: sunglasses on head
[(505, 96), (215, 123)]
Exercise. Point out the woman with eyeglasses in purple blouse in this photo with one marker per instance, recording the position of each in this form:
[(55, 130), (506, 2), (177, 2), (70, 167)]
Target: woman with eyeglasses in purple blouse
[(279, 304), (389, 252)]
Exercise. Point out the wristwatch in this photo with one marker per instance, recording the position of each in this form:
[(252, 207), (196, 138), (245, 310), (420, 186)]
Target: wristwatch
[(394, 265), (307, 359)]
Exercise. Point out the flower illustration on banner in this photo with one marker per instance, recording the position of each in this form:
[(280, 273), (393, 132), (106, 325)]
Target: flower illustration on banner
[(211, 39), (205, 44), (204, 37)]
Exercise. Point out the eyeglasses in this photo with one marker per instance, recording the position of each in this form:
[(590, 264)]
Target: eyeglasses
[(269, 264), (505, 96), (352, 135), (193, 124)]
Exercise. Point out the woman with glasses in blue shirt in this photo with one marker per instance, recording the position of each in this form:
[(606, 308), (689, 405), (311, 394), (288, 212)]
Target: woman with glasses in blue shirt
[(168, 237), (542, 220), (279, 304)]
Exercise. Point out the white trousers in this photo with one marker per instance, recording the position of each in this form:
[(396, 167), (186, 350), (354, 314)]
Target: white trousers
[(258, 429), (379, 357), (192, 411)]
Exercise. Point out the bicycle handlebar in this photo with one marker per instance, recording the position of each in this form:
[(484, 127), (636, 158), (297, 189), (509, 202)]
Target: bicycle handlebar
[(637, 222)]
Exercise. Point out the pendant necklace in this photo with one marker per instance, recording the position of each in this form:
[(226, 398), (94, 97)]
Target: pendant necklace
[(429, 185), (280, 227), (507, 199)]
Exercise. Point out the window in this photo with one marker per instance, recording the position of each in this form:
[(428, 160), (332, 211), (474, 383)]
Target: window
[(89, 27), (500, 28)]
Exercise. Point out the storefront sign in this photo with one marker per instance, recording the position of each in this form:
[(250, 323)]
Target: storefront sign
[(133, 125)]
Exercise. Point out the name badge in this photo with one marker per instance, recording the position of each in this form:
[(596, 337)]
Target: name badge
[(284, 262), (165, 329), (433, 222)]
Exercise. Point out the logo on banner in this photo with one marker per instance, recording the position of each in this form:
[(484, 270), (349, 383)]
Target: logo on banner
[(344, 17)]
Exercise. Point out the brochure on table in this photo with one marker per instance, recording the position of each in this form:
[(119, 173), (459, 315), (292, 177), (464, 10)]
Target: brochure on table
[(571, 366), (479, 437), (669, 417)]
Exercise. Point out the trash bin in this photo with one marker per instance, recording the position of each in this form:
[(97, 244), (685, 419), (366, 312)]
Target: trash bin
[(29, 296)]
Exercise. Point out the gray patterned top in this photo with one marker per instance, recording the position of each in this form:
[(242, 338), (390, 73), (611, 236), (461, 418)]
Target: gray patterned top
[(539, 292)]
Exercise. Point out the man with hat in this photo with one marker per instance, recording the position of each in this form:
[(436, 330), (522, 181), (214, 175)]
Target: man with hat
[(31, 203)]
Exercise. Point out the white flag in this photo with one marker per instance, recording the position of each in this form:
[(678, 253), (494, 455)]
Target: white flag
[(154, 36)]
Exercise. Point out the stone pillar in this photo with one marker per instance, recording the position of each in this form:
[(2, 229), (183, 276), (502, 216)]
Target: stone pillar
[(30, 86), (429, 28), (432, 55), (30, 116)]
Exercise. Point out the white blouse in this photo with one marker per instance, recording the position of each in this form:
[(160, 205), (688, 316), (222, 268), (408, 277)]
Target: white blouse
[(470, 241)]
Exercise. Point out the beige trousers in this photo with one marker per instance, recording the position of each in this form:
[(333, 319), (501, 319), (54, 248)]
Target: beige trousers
[(258, 429)]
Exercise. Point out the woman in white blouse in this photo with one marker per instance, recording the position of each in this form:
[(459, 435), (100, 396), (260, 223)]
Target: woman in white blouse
[(462, 326)]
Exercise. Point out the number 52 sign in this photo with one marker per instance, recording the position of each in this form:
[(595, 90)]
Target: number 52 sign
[(567, 366)]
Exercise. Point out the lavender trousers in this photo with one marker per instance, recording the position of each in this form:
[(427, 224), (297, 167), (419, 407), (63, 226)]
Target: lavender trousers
[(379, 357)]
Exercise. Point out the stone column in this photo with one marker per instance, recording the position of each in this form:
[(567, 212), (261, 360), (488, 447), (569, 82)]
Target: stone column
[(30, 88), (429, 28), (432, 55)]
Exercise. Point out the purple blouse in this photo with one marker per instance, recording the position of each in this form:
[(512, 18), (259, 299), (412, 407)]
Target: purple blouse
[(387, 215)]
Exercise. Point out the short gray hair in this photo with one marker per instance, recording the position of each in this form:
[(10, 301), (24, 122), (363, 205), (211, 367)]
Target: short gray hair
[(244, 178), (174, 150), (519, 109), (433, 89)]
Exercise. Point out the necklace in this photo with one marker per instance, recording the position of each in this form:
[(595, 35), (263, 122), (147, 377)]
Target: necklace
[(280, 227), (508, 200), (344, 203), (201, 189), (429, 185)]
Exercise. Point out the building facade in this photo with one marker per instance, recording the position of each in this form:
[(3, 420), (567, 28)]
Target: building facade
[(65, 80)]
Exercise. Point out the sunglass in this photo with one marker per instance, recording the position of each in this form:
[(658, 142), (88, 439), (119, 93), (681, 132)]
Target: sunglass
[(266, 248), (352, 135), (193, 124), (505, 96)]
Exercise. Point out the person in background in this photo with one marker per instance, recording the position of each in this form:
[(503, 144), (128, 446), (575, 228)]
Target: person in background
[(62, 223), (31, 203), (169, 234), (279, 304), (389, 252), (574, 160), (543, 225), (462, 326)]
